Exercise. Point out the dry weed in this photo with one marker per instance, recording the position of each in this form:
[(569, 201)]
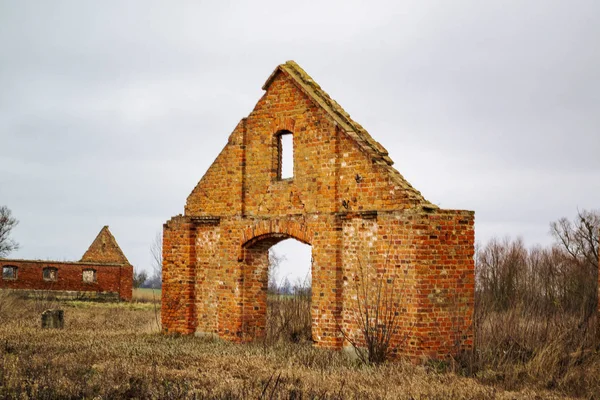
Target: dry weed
[(115, 351)]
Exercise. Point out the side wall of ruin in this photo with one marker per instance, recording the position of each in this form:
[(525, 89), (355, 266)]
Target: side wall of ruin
[(110, 278)]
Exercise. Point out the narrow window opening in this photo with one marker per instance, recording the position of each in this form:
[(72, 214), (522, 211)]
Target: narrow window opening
[(89, 276), (50, 274), (286, 155), (9, 272)]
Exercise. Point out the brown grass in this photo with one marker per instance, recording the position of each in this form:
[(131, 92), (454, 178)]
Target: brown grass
[(517, 348), (146, 295), (288, 319), (115, 351)]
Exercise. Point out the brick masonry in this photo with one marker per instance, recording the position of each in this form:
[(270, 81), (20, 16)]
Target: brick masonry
[(113, 273), (367, 226)]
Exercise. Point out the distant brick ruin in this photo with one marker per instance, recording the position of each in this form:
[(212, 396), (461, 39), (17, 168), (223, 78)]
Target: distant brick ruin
[(365, 223), (102, 273)]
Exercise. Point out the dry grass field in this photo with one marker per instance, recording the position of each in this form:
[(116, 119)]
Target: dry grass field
[(146, 295), (114, 350)]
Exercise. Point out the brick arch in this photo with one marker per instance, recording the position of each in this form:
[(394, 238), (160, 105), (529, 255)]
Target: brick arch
[(283, 124), (254, 283), (273, 228)]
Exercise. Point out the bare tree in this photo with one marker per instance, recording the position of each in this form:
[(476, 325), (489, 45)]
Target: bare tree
[(578, 240), (500, 271), (7, 223), (274, 263), (139, 277), (157, 261)]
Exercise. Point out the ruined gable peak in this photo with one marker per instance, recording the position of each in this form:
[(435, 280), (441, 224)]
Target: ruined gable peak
[(372, 148), (105, 249), (352, 128)]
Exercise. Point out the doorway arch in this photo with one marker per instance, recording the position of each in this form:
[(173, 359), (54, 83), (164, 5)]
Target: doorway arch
[(255, 278)]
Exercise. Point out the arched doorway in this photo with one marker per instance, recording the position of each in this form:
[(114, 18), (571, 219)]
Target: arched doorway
[(276, 303)]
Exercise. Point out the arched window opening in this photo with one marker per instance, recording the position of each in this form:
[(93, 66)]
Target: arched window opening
[(285, 150)]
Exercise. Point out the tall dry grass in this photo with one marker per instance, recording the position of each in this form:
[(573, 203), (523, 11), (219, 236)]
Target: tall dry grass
[(518, 348), (146, 295), (114, 351), (288, 318), (536, 321)]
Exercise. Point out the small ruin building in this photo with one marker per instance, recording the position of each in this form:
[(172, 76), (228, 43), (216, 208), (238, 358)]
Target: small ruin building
[(370, 232), (102, 273)]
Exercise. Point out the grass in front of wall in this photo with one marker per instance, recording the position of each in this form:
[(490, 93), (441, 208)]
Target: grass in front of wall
[(146, 295), (117, 352)]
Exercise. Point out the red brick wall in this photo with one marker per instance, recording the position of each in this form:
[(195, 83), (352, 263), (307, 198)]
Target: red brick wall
[(110, 278), (178, 292), (345, 200)]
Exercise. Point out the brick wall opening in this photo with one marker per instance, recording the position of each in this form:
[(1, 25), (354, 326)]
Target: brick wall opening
[(9, 272), (89, 276), (50, 274), (255, 296), (290, 265), (285, 155), (289, 297)]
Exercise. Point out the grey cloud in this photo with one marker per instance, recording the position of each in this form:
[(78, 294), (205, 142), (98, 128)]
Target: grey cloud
[(110, 112)]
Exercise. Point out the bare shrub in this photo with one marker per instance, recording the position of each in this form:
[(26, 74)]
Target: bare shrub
[(376, 316), (288, 313)]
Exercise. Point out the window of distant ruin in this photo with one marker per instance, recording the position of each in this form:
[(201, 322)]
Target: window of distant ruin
[(50, 274), (89, 275), (9, 272), (285, 155)]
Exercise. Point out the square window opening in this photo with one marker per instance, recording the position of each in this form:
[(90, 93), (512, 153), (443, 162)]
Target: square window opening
[(89, 276), (9, 273), (50, 274)]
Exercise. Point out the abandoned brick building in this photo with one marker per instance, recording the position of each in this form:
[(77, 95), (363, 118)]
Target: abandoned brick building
[(364, 222), (102, 273)]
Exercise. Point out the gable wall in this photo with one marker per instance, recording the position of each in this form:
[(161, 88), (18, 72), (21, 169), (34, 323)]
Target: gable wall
[(355, 211), (243, 178), (104, 249), (219, 192)]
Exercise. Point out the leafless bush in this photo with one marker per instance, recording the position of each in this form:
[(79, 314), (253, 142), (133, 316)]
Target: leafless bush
[(288, 313), (376, 316)]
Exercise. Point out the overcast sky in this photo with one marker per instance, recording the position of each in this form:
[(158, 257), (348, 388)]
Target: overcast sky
[(111, 111)]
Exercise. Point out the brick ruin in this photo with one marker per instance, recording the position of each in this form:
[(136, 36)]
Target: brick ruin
[(102, 273), (366, 225)]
